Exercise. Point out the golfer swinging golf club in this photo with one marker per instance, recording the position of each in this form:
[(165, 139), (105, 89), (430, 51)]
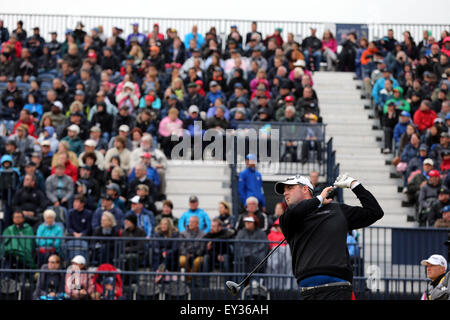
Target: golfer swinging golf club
[(316, 230)]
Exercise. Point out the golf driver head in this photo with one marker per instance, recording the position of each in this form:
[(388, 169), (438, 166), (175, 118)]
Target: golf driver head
[(232, 287)]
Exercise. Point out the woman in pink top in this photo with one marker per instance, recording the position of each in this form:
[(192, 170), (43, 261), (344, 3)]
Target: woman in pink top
[(329, 48), (170, 125)]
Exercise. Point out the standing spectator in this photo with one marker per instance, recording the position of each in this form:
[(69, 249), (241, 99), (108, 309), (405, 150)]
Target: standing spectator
[(204, 221), (194, 35), (4, 33), (440, 281), (250, 183), (191, 251), (389, 121), (48, 245)]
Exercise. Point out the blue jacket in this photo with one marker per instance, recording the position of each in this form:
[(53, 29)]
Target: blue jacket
[(250, 184), (399, 130), (97, 217), (409, 152), (204, 223), (145, 220), (152, 174), (211, 98), (44, 230), (379, 85), (79, 222), (189, 36)]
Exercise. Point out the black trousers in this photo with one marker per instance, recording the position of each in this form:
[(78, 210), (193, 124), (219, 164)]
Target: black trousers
[(339, 292)]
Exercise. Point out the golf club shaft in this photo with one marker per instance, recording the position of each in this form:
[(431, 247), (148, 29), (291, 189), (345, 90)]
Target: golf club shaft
[(261, 263)]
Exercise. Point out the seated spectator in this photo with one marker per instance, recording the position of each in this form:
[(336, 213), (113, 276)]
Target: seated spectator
[(77, 281), (443, 222), (262, 221), (18, 253), (106, 286), (145, 218), (204, 222), (151, 172), (50, 285), (228, 220), (170, 126), (318, 187), (167, 207), (437, 207), (89, 147), (418, 179), (218, 254), (134, 249), (312, 49), (400, 127), (424, 117), (48, 245), (31, 199), (104, 249), (63, 148), (25, 143), (120, 150), (59, 187), (248, 255), (428, 194), (107, 204), (79, 218), (191, 251), (165, 250)]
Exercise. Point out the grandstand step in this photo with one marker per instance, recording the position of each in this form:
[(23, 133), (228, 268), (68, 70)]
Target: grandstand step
[(198, 170), (203, 200)]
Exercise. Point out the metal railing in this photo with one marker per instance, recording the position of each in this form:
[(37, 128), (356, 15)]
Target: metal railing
[(59, 23), (386, 267)]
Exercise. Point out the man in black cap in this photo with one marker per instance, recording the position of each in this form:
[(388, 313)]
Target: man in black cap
[(316, 230), (193, 98), (12, 91), (107, 204), (442, 201)]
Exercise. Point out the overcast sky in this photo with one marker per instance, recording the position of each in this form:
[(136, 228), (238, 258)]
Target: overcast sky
[(344, 11)]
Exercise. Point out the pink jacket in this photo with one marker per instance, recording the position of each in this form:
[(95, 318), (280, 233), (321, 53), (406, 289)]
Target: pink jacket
[(331, 44), (167, 127), (306, 72)]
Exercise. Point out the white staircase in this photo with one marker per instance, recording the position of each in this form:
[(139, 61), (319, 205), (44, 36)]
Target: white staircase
[(356, 145), (208, 180)]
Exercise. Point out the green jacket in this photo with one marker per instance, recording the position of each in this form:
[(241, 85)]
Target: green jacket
[(75, 144), (401, 103), (21, 248)]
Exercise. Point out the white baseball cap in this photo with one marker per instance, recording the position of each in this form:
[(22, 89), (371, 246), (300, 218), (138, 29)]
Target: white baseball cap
[(436, 260), (298, 179), (193, 108), (58, 104), (124, 128), (90, 143), (249, 219), (135, 199), (79, 259), (75, 128)]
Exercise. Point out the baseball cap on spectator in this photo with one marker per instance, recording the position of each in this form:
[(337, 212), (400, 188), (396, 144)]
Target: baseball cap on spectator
[(79, 259), (193, 198), (445, 152), (438, 120), (434, 173), (79, 93), (193, 109), (113, 186), (92, 54), (289, 99), (447, 116), (428, 161), (146, 155), (58, 104), (279, 186), (213, 83), (135, 24), (250, 156), (124, 128), (240, 110), (435, 260), (11, 79), (192, 85), (238, 85), (74, 127), (423, 146), (135, 199), (446, 209), (46, 143), (444, 190), (299, 63), (405, 114), (106, 196), (95, 129), (90, 143), (249, 219)]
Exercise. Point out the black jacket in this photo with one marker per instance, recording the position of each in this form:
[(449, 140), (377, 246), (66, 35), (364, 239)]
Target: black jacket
[(317, 237)]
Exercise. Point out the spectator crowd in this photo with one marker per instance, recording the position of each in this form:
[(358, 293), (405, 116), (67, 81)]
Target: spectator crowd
[(87, 127), (407, 81)]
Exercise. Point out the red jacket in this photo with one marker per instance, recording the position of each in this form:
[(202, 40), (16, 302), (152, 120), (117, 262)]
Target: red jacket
[(31, 127), (275, 236), (70, 171), (424, 119), (96, 280)]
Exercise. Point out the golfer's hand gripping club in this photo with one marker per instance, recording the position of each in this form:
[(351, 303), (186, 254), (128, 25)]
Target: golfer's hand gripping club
[(344, 181)]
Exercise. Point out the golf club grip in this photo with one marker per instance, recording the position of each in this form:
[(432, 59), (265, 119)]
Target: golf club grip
[(262, 261)]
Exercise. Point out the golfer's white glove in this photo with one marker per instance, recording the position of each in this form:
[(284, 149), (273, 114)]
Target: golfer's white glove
[(344, 181)]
